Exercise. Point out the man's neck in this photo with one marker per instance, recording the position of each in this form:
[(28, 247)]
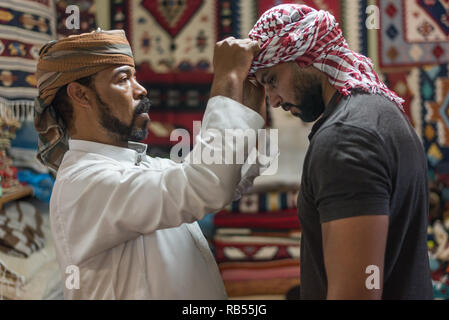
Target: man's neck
[(100, 138), (328, 90)]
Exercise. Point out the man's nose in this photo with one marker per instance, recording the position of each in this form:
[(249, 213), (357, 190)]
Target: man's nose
[(273, 99), (139, 91)]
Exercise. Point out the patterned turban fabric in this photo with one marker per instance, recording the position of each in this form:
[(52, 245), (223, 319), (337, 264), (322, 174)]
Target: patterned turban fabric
[(293, 32), (65, 61)]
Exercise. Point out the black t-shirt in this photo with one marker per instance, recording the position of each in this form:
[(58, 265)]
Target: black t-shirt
[(365, 158)]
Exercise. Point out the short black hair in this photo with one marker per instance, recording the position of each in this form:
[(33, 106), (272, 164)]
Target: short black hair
[(63, 106)]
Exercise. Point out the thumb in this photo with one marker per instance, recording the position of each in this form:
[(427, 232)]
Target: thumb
[(255, 48)]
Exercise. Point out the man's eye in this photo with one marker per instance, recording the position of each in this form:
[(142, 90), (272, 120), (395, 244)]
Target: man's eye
[(272, 81)]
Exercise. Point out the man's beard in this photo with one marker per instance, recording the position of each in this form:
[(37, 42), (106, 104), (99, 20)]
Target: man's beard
[(309, 96), (119, 130)]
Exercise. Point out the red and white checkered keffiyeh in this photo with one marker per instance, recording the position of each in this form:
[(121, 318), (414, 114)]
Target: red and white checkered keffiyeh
[(293, 32)]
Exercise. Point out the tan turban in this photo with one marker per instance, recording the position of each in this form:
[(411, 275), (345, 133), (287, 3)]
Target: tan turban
[(65, 61)]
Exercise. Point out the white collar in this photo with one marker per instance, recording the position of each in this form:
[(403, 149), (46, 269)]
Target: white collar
[(134, 153)]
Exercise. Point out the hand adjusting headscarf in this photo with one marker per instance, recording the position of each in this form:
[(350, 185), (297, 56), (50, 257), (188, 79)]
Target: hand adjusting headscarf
[(65, 61), (292, 32)]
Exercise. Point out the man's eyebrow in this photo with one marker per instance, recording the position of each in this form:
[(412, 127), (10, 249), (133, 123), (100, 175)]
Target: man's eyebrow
[(127, 70), (264, 74)]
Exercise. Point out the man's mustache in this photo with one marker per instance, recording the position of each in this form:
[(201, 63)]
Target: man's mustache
[(287, 106), (143, 106)]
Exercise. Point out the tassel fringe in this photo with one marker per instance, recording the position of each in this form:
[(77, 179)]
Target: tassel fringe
[(19, 110)]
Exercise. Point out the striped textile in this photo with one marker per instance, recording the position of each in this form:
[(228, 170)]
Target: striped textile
[(261, 274), (234, 248), (281, 220), (258, 265), (260, 287), (257, 232), (292, 32), (20, 229), (25, 25)]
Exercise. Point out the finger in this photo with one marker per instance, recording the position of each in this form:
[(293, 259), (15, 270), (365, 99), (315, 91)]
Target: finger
[(227, 40), (246, 41), (254, 82), (255, 47), (252, 79)]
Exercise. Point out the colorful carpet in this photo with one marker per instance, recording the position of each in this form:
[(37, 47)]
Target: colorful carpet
[(261, 274), (426, 94), (430, 113), (283, 219), (398, 82), (260, 287), (173, 43), (438, 245), (264, 202), (25, 25), (413, 33), (241, 248)]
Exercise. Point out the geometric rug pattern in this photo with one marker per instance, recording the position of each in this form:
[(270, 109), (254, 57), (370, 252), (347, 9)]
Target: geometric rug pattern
[(430, 109), (25, 25), (413, 33), (173, 44)]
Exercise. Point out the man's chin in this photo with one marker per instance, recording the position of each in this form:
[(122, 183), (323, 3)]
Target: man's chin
[(307, 117), (138, 134)]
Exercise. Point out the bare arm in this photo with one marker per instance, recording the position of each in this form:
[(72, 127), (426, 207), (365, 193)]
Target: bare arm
[(349, 247)]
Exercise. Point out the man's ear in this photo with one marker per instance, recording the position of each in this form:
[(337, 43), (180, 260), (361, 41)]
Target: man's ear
[(79, 94)]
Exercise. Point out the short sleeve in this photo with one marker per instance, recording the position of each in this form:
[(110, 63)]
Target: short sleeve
[(349, 173)]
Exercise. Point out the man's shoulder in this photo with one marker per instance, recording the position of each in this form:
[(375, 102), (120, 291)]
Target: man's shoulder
[(83, 164), (363, 99), (374, 115), (340, 134), (372, 111)]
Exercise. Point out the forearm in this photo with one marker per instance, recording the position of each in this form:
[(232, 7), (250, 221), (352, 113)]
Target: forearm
[(225, 121)]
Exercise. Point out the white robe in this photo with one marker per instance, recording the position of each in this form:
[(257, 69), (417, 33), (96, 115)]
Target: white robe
[(129, 228)]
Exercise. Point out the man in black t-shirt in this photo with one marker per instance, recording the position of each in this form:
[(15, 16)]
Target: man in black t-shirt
[(363, 204)]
